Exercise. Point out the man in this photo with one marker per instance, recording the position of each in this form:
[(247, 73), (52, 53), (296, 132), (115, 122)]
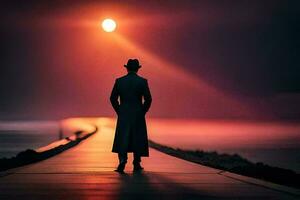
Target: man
[(127, 97)]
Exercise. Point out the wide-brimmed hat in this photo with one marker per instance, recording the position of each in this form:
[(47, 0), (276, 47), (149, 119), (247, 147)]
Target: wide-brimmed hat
[(133, 64)]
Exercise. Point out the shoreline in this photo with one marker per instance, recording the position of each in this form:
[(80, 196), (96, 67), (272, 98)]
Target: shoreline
[(30, 156), (234, 163)]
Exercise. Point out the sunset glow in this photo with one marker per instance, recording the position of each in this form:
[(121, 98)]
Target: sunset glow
[(109, 25), (129, 99)]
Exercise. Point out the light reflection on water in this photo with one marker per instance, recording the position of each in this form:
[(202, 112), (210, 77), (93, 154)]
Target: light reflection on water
[(17, 136), (274, 143)]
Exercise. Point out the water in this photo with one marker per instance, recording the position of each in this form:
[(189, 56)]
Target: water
[(274, 143), (16, 136)]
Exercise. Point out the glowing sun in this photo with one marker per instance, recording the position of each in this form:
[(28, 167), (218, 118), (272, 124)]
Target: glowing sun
[(109, 25)]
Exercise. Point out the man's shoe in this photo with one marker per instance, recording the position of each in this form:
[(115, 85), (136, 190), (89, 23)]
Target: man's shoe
[(137, 167), (120, 168)]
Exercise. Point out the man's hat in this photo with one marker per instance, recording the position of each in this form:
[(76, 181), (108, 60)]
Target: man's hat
[(133, 64)]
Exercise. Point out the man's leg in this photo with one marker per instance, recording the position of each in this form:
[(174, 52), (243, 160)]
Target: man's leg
[(122, 162), (136, 162), (136, 158), (122, 158)]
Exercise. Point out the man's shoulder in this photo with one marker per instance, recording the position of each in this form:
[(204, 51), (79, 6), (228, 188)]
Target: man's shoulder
[(120, 78), (141, 78), (137, 77)]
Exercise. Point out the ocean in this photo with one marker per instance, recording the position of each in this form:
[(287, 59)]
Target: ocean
[(17, 136), (274, 143)]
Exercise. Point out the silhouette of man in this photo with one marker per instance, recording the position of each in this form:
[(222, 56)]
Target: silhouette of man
[(131, 99)]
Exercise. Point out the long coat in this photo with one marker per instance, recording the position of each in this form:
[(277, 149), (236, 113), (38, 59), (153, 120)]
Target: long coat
[(127, 98)]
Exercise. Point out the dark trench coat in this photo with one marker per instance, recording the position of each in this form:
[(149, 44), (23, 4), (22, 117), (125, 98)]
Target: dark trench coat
[(127, 100)]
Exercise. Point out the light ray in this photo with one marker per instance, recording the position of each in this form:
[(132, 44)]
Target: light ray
[(175, 72)]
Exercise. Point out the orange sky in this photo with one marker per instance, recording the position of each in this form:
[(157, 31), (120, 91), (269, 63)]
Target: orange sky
[(71, 63)]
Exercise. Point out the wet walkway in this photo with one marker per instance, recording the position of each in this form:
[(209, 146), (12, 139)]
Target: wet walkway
[(86, 172)]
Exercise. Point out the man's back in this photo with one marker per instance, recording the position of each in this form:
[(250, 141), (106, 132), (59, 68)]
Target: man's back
[(131, 89)]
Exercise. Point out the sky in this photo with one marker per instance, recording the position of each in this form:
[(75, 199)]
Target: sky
[(203, 59)]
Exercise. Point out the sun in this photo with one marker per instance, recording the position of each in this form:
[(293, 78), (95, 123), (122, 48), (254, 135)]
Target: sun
[(109, 25)]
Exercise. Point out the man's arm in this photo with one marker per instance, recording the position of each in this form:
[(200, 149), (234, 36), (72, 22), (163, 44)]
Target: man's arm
[(147, 98), (114, 97)]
